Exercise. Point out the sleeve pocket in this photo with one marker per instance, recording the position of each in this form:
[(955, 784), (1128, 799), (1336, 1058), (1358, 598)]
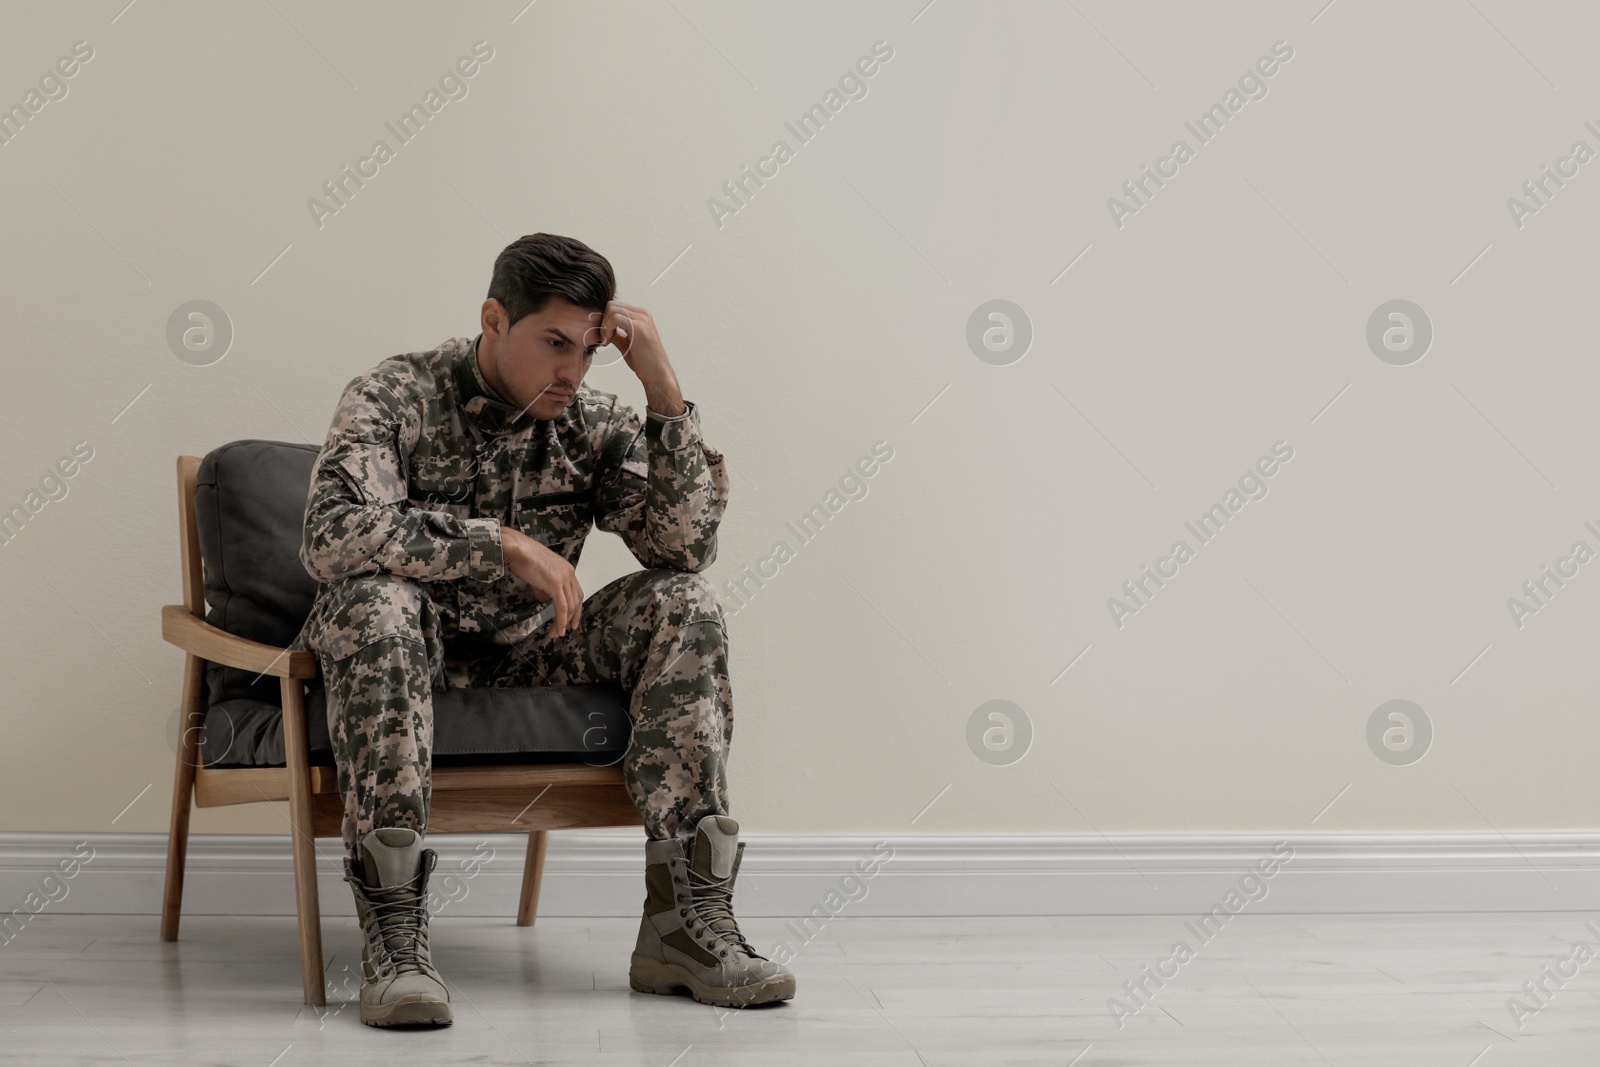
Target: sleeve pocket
[(373, 471)]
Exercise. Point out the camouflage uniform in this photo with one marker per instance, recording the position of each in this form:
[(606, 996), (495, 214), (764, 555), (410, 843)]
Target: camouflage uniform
[(421, 467)]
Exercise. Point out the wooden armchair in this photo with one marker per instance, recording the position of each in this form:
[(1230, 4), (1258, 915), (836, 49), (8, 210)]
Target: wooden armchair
[(490, 797)]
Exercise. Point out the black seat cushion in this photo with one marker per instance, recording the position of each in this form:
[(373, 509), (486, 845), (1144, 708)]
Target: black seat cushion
[(250, 503), (556, 723)]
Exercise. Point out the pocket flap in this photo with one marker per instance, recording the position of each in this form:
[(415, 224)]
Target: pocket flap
[(374, 472)]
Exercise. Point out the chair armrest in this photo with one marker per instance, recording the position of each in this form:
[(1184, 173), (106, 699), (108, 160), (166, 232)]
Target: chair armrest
[(199, 638)]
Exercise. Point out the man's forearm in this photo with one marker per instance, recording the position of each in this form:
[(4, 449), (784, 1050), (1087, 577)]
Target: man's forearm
[(663, 397), (343, 539), (686, 492)]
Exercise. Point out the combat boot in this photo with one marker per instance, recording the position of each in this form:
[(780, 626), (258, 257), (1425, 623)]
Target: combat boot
[(688, 937), (399, 986)]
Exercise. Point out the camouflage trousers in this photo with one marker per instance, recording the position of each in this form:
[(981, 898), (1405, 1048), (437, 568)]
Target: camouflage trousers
[(384, 649)]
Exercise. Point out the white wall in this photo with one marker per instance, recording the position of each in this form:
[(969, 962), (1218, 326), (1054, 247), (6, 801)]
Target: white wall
[(830, 313)]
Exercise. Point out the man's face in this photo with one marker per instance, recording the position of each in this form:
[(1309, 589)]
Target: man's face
[(540, 363)]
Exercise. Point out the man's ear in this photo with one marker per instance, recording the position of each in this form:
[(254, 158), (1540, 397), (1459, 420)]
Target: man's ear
[(492, 317)]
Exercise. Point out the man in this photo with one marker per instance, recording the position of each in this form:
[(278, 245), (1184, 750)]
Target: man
[(448, 506)]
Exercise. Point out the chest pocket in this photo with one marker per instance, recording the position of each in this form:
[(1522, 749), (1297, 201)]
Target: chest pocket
[(556, 519), (573, 496), (439, 492)]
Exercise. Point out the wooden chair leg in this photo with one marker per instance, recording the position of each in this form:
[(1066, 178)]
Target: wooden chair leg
[(182, 794), (532, 875), (303, 840)]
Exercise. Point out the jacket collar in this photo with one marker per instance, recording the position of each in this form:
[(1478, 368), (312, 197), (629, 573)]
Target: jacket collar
[(485, 408)]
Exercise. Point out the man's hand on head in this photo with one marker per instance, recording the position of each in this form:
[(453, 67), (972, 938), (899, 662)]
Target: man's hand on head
[(633, 330)]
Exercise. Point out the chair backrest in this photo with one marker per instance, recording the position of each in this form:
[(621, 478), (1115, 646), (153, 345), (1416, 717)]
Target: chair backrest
[(249, 512)]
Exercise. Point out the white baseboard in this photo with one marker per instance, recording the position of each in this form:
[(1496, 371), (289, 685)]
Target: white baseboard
[(600, 873)]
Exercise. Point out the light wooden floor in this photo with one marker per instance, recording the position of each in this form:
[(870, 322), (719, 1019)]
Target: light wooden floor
[(1282, 990)]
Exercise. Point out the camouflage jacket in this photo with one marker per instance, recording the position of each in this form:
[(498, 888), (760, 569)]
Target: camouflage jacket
[(424, 463)]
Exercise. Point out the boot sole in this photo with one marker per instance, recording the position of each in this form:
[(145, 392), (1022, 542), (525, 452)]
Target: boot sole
[(655, 976), (414, 1010)]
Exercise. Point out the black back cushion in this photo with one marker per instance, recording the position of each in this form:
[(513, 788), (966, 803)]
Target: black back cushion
[(250, 505)]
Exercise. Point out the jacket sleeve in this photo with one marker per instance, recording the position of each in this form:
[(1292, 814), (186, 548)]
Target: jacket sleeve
[(662, 488), (358, 520)]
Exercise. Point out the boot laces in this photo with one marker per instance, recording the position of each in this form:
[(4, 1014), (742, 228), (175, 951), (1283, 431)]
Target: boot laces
[(400, 913), (712, 900)]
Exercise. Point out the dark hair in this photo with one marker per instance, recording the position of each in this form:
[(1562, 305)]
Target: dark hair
[(532, 269)]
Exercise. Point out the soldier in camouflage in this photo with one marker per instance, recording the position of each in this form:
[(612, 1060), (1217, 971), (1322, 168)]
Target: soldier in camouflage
[(449, 505)]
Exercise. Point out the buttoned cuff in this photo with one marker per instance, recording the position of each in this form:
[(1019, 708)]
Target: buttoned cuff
[(676, 431), (485, 554)]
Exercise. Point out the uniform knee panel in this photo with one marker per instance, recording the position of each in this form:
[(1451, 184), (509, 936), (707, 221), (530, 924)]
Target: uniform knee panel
[(367, 608), (688, 593)]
